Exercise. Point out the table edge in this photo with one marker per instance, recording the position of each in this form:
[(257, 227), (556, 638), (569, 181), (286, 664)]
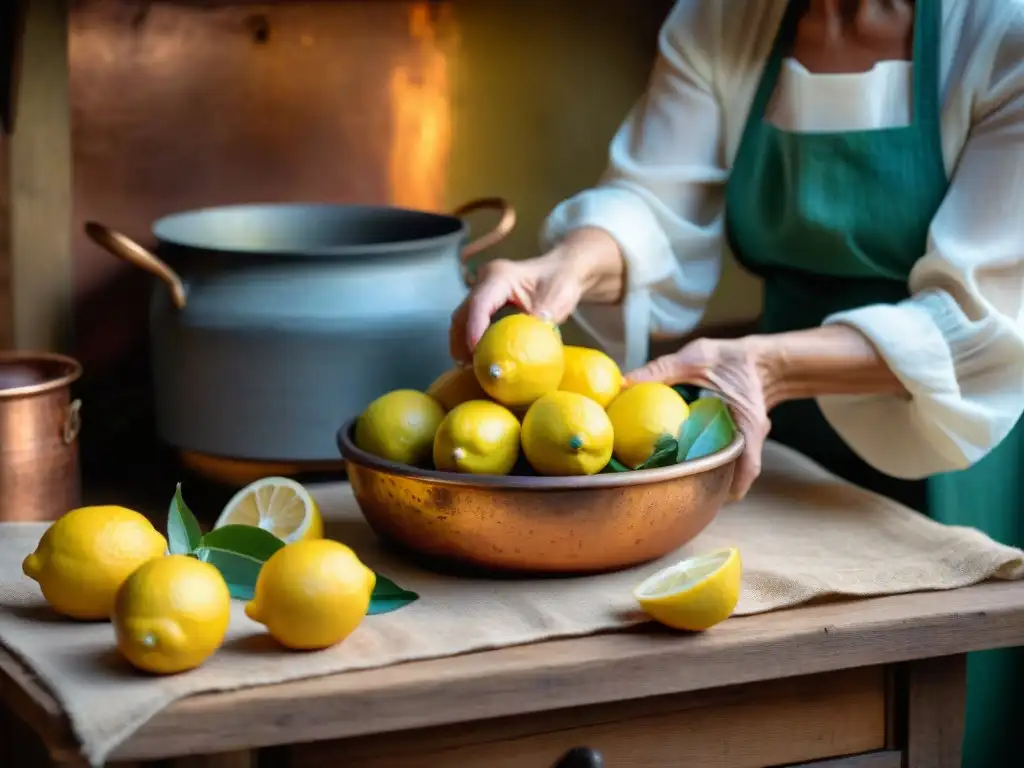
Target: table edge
[(558, 674)]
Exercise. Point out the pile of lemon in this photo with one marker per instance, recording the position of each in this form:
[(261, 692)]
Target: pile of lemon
[(171, 612), (565, 409)]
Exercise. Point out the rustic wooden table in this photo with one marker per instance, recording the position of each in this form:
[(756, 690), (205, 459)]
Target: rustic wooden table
[(869, 684)]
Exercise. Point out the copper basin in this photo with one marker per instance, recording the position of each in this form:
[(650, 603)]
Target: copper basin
[(539, 524)]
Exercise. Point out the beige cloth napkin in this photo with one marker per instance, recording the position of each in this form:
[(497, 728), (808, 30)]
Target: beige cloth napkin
[(803, 534)]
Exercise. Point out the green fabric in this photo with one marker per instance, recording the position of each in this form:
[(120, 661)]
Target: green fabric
[(834, 221)]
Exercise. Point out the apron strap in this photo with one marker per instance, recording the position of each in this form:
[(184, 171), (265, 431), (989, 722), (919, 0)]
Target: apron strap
[(783, 41), (927, 45)]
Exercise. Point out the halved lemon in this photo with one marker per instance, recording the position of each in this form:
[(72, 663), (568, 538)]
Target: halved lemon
[(694, 594), (276, 504)]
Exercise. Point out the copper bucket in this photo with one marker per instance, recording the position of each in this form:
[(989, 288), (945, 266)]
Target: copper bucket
[(39, 425)]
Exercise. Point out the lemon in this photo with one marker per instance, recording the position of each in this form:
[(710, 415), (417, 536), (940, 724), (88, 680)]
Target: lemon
[(518, 359), (592, 373), (312, 594), (171, 614), (400, 426), (565, 433), (455, 387), (276, 504), (640, 415), (694, 594), (477, 438), (85, 556)]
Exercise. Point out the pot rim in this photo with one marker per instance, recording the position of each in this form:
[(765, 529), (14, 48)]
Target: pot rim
[(355, 455), (460, 230), (73, 373)]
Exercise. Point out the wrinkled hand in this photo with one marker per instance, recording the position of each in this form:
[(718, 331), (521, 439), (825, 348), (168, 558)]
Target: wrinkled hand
[(733, 369), (543, 287)]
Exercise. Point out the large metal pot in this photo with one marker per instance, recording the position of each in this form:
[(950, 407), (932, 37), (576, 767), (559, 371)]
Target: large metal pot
[(272, 324)]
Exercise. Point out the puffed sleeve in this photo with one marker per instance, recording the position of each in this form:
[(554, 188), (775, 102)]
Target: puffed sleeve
[(662, 196), (958, 343)]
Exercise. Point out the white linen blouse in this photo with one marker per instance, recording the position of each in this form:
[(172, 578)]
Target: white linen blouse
[(957, 343)]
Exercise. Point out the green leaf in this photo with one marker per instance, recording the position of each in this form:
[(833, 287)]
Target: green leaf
[(388, 596), (183, 531), (239, 571), (688, 392), (664, 455), (708, 429), (247, 540), (614, 465)]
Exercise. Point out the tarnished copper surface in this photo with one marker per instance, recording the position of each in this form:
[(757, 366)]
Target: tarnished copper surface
[(39, 425), (540, 524)]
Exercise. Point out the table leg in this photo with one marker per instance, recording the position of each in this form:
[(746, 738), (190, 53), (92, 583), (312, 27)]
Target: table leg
[(19, 745), (936, 703)]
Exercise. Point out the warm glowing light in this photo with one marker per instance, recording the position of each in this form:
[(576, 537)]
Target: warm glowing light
[(420, 96)]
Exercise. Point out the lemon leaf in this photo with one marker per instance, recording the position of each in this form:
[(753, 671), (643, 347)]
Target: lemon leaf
[(708, 429), (183, 531), (388, 596), (239, 571), (664, 455), (249, 540), (614, 465), (688, 392)]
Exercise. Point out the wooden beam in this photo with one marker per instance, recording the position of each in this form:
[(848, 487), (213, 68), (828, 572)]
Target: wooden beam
[(12, 18), (12, 28), (6, 297), (39, 200)]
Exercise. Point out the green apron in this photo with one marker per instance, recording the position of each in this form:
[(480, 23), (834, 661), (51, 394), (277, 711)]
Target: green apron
[(834, 221)]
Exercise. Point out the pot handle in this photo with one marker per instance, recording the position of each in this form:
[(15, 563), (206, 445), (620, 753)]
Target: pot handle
[(72, 422), (123, 247), (500, 231)]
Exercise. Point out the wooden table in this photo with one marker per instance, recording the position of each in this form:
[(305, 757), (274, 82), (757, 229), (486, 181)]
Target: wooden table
[(868, 684)]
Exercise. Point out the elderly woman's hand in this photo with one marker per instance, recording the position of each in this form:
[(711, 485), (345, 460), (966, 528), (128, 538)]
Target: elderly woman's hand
[(586, 265), (736, 370), (756, 373), (544, 287)]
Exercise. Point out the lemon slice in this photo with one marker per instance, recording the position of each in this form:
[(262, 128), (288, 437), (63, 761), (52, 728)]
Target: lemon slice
[(276, 504), (694, 594)]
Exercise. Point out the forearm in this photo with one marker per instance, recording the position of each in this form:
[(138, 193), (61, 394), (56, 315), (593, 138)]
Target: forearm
[(593, 257), (830, 360)]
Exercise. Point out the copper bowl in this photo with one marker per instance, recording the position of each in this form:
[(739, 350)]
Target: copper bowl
[(539, 524)]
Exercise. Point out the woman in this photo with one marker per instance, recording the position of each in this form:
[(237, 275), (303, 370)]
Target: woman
[(866, 159)]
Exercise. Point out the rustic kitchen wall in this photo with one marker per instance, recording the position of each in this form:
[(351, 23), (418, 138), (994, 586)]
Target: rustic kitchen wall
[(178, 105)]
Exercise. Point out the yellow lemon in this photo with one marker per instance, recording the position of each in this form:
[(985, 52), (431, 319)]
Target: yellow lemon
[(312, 594), (565, 433), (455, 387), (592, 373), (400, 426), (171, 614), (641, 414), (276, 504), (477, 438), (694, 594), (519, 359), (87, 554)]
